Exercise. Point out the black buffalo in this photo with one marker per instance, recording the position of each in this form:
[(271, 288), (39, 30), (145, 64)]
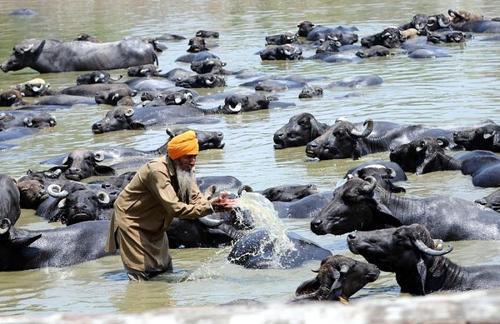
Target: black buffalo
[(258, 250), (389, 37), (338, 278), (314, 32), (472, 22), (306, 207), (344, 140), (10, 208), (281, 39), (208, 80), (491, 201), (360, 204), (281, 52), (417, 260), (424, 155), (27, 249), (311, 92), (34, 88), (11, 97), (300, 130), (385, 172), (95, 77), (55, 56), (485, 137)]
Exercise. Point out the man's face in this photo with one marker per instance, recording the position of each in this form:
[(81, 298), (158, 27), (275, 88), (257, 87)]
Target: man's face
[(186, 162)]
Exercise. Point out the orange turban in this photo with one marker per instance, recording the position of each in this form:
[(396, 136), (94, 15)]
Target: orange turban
[(183, 144)]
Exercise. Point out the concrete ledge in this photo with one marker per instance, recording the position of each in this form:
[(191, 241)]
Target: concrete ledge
[(469, 307)]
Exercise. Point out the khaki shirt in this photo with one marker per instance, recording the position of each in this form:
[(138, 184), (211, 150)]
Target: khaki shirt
[(144, 210)]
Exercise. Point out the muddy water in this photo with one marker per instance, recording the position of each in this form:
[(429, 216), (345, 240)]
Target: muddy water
[(459, 90)]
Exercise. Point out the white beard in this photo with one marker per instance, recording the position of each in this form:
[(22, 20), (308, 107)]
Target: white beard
[(186, 180)]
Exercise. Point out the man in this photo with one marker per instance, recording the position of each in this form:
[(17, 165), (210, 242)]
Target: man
[(162, 189)]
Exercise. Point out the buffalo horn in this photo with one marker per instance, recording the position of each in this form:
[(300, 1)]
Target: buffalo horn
[(99, 156), (371, 183), (427, 250), (485, 135), (54, 190), (443, 141), (246, 188), (420, 146), (367, 131), (103, 197), (129, 112), (5, 225), (170, 133), (28, 121), (210, 222)]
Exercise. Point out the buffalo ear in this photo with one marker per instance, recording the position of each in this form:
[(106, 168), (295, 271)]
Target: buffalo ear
[(40, 47), (307, 287)]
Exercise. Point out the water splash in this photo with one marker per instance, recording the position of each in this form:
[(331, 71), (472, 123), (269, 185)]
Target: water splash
[(266, 217)]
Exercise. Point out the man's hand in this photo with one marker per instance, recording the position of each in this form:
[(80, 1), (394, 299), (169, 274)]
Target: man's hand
[(223, 202)]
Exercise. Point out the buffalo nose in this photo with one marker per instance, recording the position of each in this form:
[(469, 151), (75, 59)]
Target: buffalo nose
[(315, 224), (351, 236), (279, 135)]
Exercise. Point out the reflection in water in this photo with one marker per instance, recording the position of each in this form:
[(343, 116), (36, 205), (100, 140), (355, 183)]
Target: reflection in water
[(455, 91)]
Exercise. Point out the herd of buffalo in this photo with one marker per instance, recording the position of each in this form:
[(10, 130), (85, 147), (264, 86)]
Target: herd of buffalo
[(392, 231)]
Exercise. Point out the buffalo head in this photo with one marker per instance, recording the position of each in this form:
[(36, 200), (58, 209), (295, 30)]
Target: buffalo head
[(340, 141), (356, 205), (32, 192), (197, 44), (208, 66), (11, 97), (304, 28), (23, 55), (491, 201), (436, 22), (421, 155), (78, 203), (120, 117), (300, 130), (208, 80), (407, 251), (289, 192), (81, 164), (481, 138), (338, 278), (143, 70), (34, 88), (389, 37)]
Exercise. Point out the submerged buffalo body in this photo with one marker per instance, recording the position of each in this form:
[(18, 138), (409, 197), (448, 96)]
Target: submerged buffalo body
[(360, 204), (417, 260), (55, 56), (23, 249)]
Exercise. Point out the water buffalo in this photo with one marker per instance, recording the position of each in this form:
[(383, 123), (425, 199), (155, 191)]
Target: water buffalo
[(194, 57), (237, 103), (49, 55), (472, 22), (208, 80), (483, 166), (306, 207), (146, 70), (337, 279), (26, 118), (300, 130), (207, 34), (76, 202), (81, 164), (384, 172), (485, 137), (209, 66), (11, 97), (357, 81), (91, 90), (447, 37), (359, 204), (95, 77), (344, 140), (281, 52), (197, 44), (389, 37), (376, 50), (259, 250), (10, 209), (311, 92), (289, 192), (491, 201), (425, 24), (139, 118), (418, 262), (424, 155), (34, 88), (281, 39), (27, 249), (316, 32)]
